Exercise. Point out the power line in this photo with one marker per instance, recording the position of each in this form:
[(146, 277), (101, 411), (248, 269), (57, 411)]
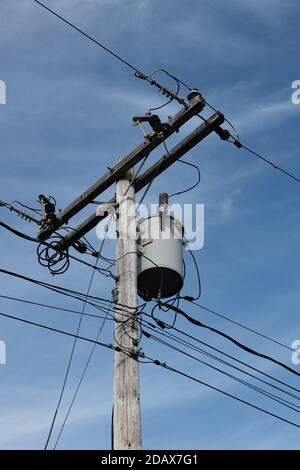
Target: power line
[(184, 333), (193, 347), (230, 338), (194, 185), (93, 300), (264, 392), (105, 48), (54, 248), (75, 341), (73, 350), (220, 315), (138, 73), (155, 362), (81, 379), (54, 307), (223, 392), (266, 160)]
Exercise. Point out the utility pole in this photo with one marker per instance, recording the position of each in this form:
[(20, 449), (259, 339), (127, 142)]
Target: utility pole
[(127, 412)]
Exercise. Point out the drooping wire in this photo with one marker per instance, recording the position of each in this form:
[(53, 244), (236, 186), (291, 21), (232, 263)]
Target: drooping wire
[(194, 185), (156, 362), (81, 379), (223, 392), (193, 347), (94, 301), (20, 213), (196, 322), (172, 97), (264, 392), (245, 327), (198, 275), (50, 256), (266, 160), (54, 307), (213, 348), (94, 345), (72, 352), (54, 258)]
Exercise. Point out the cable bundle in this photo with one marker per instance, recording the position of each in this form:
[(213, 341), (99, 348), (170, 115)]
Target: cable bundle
[(51, 256)]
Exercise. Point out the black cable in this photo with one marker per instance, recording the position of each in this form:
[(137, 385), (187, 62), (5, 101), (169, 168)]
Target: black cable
[(220, 315), (80, 381), (236, 141), (198, 275), (234, 341), (194, 185), (184, 333), (238, 144), (67, 292), (172, 97), (116, 56), (51, 258), (24, 215), (74, 345), (153, 361), (264, 392), (33, 209), (193, 347), (138, 73), (17, 232), (223, 392), (54, 307), (71, 359)]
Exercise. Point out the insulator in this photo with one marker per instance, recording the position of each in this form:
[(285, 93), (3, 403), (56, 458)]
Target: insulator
[(224, 134), (156, 123)]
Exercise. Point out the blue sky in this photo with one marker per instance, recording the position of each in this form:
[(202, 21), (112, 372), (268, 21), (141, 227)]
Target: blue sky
[(68, 116)]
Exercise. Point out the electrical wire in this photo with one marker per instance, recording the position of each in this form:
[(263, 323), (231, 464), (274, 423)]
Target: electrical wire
[(94, 345), (223, 353), (148, 259), (194, 185), (24, 215), (141, 75), (92, 300), (230, 338), (156, 362), (193, 347), (72, 355), (264, 392), (220, 315), (198, 275), (51, 259), (223, 392), (138, 73), (172, 97), (81, 380), (54, 307), (238, 144)]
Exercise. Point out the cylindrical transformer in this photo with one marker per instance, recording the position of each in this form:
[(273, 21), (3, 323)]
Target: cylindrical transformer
[(160, 269)]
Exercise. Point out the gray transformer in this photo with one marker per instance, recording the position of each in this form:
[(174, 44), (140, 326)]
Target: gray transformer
[(160, 260)]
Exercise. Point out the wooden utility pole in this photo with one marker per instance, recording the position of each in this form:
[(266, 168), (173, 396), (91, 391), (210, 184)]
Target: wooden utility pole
[(127, 413)]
